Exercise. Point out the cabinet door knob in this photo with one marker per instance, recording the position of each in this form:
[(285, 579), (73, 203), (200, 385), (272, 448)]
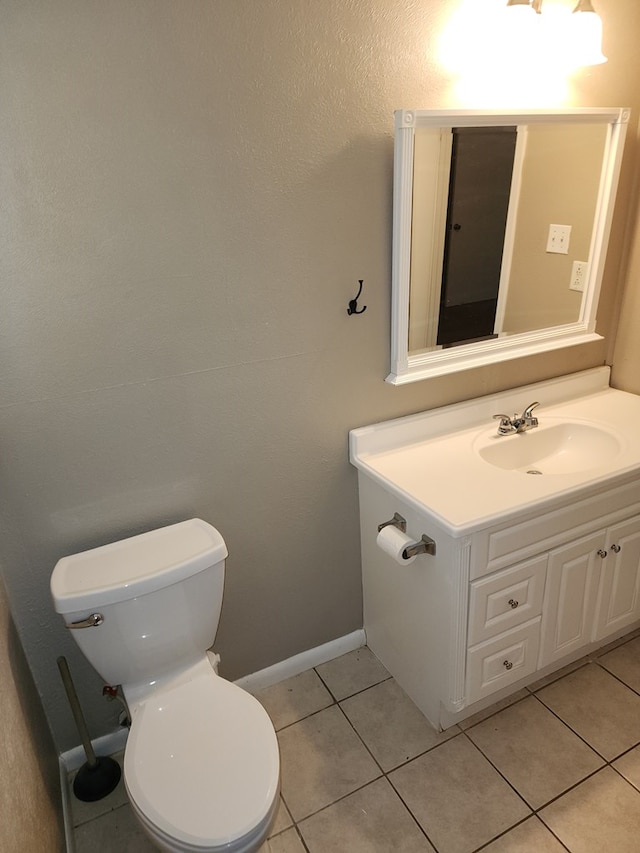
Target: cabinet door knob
[(616, 549), (513, 603), (602, 553), (507, 664)]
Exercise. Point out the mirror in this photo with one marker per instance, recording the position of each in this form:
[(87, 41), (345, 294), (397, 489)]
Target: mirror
[(500, 229)]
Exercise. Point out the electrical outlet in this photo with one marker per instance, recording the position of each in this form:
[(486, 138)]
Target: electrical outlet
[(558, 239), (579, 272)]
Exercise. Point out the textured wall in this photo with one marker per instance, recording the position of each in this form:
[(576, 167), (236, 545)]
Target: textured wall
[(191, 190)]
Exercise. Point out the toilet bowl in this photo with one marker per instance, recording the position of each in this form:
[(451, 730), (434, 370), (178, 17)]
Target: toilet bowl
[(201, 764)]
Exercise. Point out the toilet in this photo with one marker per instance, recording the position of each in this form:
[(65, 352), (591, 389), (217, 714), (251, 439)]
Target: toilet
[(201, 764)]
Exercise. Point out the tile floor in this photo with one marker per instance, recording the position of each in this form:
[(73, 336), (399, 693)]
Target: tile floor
[(554, 768)]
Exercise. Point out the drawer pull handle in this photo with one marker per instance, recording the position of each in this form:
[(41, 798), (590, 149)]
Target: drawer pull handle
[(507, 664), (514, 603), (602, 553), (616, 549)]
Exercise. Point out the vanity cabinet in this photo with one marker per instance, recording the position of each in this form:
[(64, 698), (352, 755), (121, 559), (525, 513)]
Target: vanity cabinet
[(529, 572), (499, 608)]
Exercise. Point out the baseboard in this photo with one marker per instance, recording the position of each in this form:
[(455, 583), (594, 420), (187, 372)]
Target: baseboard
[(300, 663), (66, 807)]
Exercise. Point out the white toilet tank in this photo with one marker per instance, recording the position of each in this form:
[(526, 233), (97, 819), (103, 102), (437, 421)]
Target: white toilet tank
[(158, 594)]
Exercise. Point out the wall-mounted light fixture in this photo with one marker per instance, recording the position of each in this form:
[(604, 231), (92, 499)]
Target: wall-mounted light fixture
[(578, 35), (586, 30)]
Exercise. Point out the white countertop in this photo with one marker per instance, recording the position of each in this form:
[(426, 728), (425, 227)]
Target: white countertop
[(432, 462)]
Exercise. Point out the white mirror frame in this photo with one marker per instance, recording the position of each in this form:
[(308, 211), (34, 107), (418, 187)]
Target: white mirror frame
[(407, 367)]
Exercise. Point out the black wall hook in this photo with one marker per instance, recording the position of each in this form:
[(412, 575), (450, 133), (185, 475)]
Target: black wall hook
[(353, 303)]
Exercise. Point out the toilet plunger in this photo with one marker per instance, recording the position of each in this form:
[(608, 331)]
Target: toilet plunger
[(100, 774)]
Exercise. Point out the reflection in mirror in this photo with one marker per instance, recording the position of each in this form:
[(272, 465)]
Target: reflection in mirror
[(500, 228)]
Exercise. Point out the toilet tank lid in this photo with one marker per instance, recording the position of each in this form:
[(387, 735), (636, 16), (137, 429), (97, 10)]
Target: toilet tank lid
[(136, 566)]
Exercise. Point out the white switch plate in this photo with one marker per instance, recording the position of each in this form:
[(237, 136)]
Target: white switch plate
[(579, 272), (558, 240)]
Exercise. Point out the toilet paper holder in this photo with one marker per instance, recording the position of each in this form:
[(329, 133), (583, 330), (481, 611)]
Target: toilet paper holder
[(426, 545)]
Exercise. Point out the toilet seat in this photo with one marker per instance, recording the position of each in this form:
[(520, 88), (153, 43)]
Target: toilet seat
[(201, 763)]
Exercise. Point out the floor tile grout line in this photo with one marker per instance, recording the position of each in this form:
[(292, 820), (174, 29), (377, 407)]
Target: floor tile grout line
[(300, 836), (607, 763), (305, 717), (361, 788), (491, 715), (571, 729), (388, 677), (415, 819), (535, 811), (591, 657), (330, 705), (513, 788), (617, 677), (621, 775), (568, 790), (533, 816), (586, 742), (540, 687), (383, 773), (315, 669)]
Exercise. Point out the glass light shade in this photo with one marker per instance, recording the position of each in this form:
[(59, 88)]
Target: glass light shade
[(585, 37), (520, 43), (520, 10)]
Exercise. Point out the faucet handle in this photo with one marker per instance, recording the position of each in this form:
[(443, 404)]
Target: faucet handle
[(506, 424), (529, 409)]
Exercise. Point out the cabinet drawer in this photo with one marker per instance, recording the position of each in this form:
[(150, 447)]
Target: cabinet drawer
[(510, 543), (503, 660), (506, 599)]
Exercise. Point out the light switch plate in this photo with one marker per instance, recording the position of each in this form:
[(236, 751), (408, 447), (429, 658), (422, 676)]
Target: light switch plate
[(558, 240)]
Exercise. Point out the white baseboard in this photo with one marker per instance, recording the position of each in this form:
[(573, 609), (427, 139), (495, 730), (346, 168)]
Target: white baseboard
[(302, 662)]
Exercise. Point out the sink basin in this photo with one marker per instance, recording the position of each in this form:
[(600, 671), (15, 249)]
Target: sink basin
[(451, 464), (561, 448)]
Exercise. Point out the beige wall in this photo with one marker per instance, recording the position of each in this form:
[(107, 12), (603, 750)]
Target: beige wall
[(626, 357), (560, 182), (29, 787), (191, 190)]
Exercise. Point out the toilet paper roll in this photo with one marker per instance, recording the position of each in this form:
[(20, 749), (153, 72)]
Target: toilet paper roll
[(393, 542)]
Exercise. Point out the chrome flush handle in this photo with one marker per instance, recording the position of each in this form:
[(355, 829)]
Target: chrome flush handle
[(90, 622)]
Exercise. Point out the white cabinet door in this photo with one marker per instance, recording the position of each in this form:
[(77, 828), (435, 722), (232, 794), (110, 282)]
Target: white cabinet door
[(619, 596), (573, 574)]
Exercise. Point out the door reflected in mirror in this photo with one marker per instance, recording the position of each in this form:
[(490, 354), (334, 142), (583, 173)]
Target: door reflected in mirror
[(493, 215)]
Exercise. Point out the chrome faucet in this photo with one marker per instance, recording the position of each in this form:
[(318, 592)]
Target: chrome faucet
[(521, 423)]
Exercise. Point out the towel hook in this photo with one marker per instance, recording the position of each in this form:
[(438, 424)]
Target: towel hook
[(353, 303)]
